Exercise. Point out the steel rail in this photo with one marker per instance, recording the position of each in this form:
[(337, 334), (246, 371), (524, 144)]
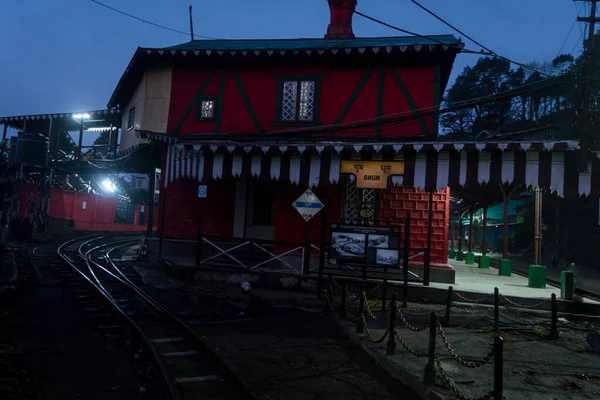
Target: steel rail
[(185, 327), (173, 391)]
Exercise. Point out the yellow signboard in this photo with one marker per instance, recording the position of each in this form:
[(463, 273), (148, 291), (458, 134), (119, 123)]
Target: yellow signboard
[(372, 174)]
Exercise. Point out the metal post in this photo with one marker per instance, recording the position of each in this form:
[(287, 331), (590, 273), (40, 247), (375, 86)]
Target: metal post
[(162, 223), (537, 256), (427, 266), (553, 326), (448, 306), (306, 264), (452, 233), (80, 138), (430, 367), (322, 252), (484, 232), (150, 220), (343, 302), (496, 309), (199, 240), (405, 260), (4, 132), (470, 230), (460, 234), (498, 367), (361, 309), (384, 295), (506, 199), (391, 344), (327, 310)]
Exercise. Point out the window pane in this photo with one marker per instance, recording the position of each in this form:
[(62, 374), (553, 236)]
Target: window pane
[(208, 109), (288, 106), (307, 100), (131, 119)]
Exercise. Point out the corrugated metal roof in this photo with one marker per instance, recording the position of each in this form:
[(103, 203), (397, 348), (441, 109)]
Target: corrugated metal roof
[(298, 44)]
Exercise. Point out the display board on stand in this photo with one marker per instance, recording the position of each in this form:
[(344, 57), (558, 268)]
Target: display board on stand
[(372, 245)]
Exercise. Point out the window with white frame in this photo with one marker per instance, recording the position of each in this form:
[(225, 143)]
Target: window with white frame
[(298, 101)]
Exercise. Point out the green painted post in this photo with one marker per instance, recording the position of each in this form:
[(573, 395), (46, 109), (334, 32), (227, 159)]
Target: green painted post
[(567, 284), (505, 267), (470, 260), (460, 256), (451, 253), (484, 262), (537, 276)]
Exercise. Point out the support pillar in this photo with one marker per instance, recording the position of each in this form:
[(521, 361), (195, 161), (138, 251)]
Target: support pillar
[(427, 266), (150, 219), (537, 246), (80, 144), (484, 232), (4, 132)]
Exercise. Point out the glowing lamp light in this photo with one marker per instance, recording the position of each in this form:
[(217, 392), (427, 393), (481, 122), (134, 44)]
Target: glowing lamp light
[(82, 116), (109, 186)]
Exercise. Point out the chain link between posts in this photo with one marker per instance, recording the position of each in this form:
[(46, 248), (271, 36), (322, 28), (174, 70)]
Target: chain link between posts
[(368, 309), (452, 386), (409, 325), (474, 364), (408, 348), (460, 296), (537, 305), (368, 333)]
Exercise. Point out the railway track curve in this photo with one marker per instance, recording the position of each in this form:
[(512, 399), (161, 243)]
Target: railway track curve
[(191, 369)]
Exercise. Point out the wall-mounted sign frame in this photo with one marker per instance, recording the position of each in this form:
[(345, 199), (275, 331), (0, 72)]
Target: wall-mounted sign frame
[(372, 245), (372, 174)]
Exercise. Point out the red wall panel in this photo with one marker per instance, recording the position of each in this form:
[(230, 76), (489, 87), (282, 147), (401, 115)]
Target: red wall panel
[(181, 209), (261, 87)]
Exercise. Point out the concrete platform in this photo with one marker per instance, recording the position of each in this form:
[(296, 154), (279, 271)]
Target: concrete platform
[(470, 278)]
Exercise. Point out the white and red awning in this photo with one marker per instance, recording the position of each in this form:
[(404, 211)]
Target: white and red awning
[(551, 165)]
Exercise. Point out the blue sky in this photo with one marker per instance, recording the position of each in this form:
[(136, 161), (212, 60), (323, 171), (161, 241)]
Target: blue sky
[(68, 55)]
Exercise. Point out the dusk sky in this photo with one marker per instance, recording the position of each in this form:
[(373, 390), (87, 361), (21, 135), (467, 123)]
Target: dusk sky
[(68, 55)]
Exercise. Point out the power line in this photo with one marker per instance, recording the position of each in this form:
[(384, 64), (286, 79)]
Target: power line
[(146, 21), (451, 26), (568, 34), (491, 52), (546, 72)]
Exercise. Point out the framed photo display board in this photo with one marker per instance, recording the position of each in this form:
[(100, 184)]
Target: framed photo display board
[(373, 245)]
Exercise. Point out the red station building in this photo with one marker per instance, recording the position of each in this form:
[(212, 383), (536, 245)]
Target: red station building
[(261, 121)]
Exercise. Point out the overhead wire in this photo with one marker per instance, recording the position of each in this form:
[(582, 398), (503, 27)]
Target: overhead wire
[(467, 51), (570, 30), (148, 22)]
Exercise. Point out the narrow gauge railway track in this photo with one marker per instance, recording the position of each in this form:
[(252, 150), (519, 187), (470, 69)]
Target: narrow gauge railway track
[(190, 368)]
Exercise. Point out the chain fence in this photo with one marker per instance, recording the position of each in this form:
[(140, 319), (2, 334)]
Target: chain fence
[(362, 309), (392, 335)]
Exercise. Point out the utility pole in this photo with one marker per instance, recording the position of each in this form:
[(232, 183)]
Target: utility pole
[(191, 24), (588, 68)]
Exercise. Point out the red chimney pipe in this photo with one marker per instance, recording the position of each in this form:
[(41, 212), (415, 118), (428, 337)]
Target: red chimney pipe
[(340, 26)]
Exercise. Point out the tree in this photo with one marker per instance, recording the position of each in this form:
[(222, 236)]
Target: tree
[(546, 100), (488, 77), (102, 140)]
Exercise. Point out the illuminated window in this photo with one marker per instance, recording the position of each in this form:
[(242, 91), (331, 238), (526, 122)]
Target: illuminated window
[(298, 101), (206, 110)]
